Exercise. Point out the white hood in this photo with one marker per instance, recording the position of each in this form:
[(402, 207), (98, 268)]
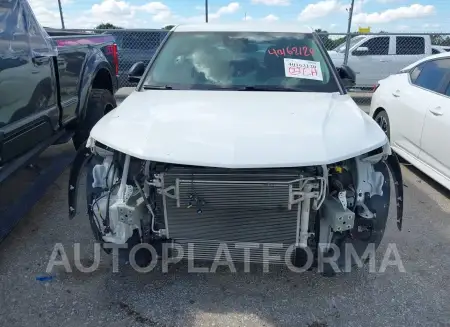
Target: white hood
[(239, 129)]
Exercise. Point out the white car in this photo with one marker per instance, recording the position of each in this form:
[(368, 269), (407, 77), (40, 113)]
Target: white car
[(223, 146), (413, 108)]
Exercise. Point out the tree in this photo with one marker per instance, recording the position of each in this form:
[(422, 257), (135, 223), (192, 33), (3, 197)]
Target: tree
[(323, 35), (437, 39), (327, 41), (168, 27), (107, 26)]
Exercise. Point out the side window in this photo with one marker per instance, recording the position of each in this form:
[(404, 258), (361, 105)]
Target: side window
[(410, 45), (377, 46), (434, 51), (20, 26), (20, 39), (447, 91), (433, 74), (415, 73)]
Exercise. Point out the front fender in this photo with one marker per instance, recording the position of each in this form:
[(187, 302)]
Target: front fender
[(393, 165), (82, 158)]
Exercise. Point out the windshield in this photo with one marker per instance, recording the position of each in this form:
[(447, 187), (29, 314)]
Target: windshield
[(353, 41), (242, 61)]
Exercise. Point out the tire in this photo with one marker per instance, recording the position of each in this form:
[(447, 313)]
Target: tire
[(99, 103), (382, 120)]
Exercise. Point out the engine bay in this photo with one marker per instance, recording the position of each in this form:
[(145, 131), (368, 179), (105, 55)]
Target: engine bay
[(132, 201)]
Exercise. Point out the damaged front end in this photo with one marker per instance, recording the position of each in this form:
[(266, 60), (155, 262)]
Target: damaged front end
[(132, 201)]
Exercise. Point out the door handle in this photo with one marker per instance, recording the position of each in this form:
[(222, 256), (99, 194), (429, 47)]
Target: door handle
[(437, 111), (39, 60), (396, 93)]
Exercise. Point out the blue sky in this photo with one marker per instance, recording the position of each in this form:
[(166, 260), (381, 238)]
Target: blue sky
[(331, 15)]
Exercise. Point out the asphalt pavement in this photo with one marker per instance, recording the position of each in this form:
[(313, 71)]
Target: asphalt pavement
[(420, 296)]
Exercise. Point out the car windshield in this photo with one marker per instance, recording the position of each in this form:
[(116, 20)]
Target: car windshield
[(341, 48), (241, 61)]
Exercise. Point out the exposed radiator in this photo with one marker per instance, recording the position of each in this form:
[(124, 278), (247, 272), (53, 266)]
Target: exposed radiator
[(257, 253), (209, 206)]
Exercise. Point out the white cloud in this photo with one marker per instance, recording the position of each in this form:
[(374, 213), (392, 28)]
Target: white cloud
[(403, 28), (167, 17), (162, 16), (358, 7), (272, 2), (327, 7), (46, 13), (122, 13), (390, 15), (320, 9), (246, 18), (112, 8), (389, 1), (271, 18), (431, 25), (160, 12), (231, 8), (154, 7)]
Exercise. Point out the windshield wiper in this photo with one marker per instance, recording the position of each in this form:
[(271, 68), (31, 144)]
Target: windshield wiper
[(157, 87), (267, 88)]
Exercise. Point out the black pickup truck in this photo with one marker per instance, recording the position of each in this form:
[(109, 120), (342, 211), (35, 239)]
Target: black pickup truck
[(54, 87)]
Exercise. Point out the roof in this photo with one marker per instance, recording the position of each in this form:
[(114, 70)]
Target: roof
[(435, 56), (244, 27)]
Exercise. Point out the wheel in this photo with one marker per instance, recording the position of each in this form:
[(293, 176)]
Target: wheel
[(382, 119), (99, 103)]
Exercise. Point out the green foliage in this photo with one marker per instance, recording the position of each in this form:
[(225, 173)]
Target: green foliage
[(443, 40), (328, 42), (107, 26)]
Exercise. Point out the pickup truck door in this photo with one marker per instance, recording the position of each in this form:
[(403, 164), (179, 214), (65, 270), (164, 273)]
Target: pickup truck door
[(29, 113), (409, 49), (374, 64), (436, 129)]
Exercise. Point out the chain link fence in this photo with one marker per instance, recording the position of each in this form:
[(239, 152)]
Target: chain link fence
[(373, 56), (133, 45)]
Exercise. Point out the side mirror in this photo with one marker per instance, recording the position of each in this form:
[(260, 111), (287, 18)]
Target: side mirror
[(136, 71), (347, 75), (361, 51)]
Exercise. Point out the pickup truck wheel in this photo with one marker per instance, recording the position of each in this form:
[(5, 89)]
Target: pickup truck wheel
[(382, 119), (100, 102)]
